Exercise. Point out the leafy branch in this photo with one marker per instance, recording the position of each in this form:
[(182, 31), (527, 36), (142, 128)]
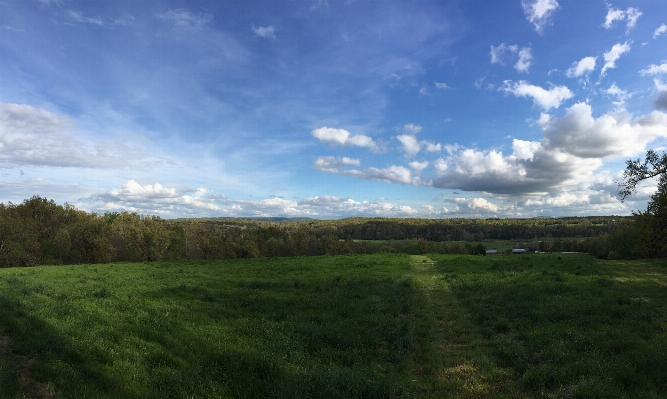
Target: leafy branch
[(636, 171)]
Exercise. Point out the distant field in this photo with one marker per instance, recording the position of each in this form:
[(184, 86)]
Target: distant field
[(366, 326)]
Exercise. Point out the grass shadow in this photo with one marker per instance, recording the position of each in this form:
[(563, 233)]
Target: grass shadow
[(569, 326)]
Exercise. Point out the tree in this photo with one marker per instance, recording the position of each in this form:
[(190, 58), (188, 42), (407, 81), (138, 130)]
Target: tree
[(651, 224), (636, 171), (62, 244)]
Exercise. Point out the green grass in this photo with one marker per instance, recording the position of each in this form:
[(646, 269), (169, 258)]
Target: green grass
[(366, 326)]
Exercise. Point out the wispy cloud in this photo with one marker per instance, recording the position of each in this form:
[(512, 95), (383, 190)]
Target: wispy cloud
[(660, 30), (524, 56), (615, 14), (442, 86), (267, 32), (584, 66), (185, 18), (32, 136), (611, 56), (539, 12), (654, 69)]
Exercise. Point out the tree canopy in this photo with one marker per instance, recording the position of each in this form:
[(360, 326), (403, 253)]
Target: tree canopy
[(636, 171)]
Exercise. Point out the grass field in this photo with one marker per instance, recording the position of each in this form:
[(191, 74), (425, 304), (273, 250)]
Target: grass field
[(367, 326)]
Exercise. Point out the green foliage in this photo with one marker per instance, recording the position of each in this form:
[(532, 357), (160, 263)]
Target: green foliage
[(38, 231), (649, 233)]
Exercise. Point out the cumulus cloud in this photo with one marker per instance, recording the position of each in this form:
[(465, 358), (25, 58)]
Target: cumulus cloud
[(539, 12), (33, 136), (152, 199), (546, 99), (343, 137), (660, 103), (392, 174), (617, 92), (410, 144), (611, 135), (411, 128), (418, 166), (334, 164), (572, 148), (475, 205), (661, 29), (267, 32), (584, 66), (160, 200), (615, 14), (611, 56), (654, 69), (432, 147)]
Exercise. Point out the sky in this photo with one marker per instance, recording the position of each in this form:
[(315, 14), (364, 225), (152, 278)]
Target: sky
[(330, 109)]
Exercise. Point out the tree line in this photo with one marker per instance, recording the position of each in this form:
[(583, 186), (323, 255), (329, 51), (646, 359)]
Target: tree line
[(39, 231)]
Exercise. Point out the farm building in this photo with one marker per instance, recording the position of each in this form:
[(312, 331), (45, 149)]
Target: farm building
[(492, 252), (519, 251)]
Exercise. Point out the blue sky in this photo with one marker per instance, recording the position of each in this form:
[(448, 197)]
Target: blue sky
[(330, 109)]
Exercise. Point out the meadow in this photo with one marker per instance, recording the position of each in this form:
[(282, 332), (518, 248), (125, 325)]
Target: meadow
[(354, 326)]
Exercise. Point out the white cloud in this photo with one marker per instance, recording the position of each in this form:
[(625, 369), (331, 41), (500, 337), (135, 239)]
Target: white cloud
[(432, 147), (418, 166), (392, 174), (410, 144), (186, 19), (615, 14), (661, 29), (79, 17), (33, 136), (267, 32), (525, 149), (546, 99), (655, 69), (523, 64), (476, 205), (152, 199), (611, 56), (617, 92), (611, 135), (442, 86), (497, 52), (539, 12), (395, 174), (343, 137), (585, 65), (573, 147), (659, 85), (333, 164), (633, 15), (411, 128)]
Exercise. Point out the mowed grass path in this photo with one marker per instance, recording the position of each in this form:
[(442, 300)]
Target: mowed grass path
[(367, 326)]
